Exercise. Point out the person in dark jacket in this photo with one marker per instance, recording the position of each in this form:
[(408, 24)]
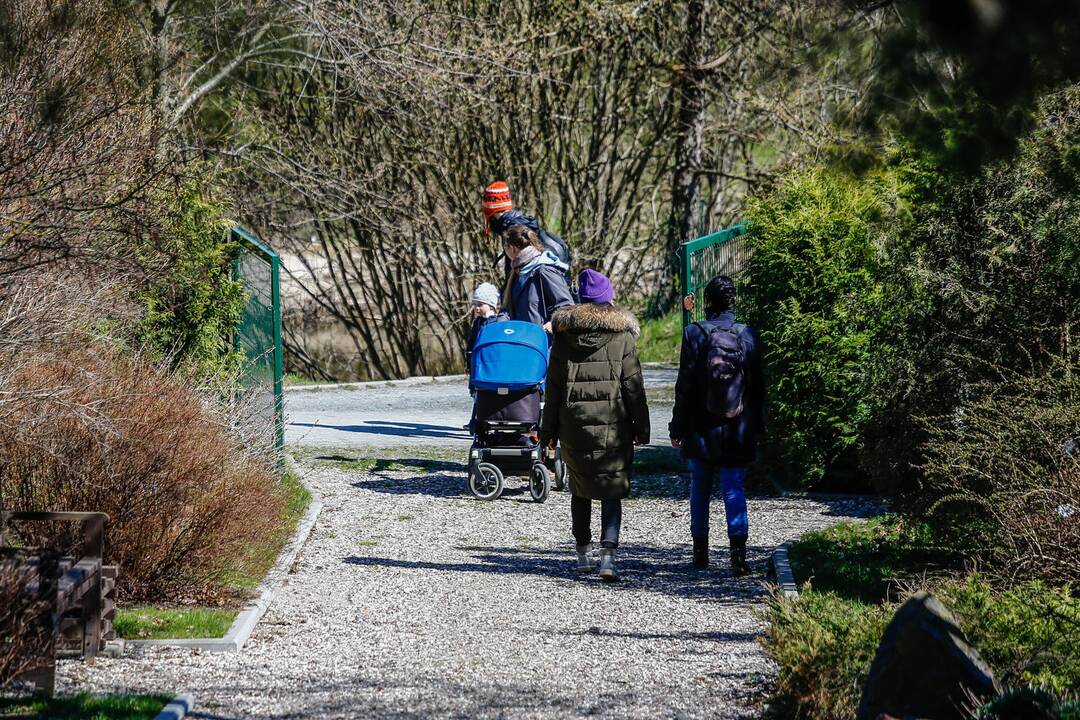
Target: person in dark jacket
[(717, 447), (596, 408), (485, 301), (500, 215), (537, 285)]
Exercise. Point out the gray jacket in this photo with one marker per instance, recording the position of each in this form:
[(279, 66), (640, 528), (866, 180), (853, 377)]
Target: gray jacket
[(538, 289)]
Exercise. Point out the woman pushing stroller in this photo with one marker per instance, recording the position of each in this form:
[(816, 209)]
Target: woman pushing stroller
[(596, 408), (537, 284)]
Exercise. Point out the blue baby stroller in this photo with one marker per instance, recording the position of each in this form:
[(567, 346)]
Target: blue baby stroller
[(508, 368)]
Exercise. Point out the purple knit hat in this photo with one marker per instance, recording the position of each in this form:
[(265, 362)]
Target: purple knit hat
[(594, 287)]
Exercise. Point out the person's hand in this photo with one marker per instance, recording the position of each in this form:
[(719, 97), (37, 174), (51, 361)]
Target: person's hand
[(676, 443), (547, 327)]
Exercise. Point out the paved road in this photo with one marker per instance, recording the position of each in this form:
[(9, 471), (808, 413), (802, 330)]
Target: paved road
[(411, 600), (421, 414)]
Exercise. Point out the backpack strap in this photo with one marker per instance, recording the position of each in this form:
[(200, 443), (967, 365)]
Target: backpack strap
[(707, 326), (540, 292)]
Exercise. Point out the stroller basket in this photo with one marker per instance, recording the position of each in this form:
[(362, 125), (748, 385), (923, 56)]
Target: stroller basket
[(509, 356), (509, 426)]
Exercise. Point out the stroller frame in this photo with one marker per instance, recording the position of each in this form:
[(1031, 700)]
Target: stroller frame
[(492, 461)]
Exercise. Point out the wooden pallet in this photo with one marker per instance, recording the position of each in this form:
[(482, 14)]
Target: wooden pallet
[(80, 591)]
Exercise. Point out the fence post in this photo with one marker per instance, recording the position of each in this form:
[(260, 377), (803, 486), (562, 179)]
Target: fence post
[(279, 361), (270, 358)]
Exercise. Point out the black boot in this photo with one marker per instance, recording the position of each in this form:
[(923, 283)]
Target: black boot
[(738, 557), (701, 551)]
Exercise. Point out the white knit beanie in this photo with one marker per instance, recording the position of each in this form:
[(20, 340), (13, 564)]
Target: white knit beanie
[(487, 294)]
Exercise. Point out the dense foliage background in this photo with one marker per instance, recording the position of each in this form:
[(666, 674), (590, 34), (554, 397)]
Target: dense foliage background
[(920, 325)]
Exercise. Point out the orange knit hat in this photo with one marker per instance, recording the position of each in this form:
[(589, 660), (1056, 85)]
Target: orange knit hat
[(496, 200)]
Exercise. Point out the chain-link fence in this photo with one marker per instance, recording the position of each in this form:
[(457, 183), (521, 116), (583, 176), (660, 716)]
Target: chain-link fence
[(258, 335), (700, 260)]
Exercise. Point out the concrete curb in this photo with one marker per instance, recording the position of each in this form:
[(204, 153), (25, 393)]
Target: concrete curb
[(785, 579), (249, 617), (405, 382), (178, 708)]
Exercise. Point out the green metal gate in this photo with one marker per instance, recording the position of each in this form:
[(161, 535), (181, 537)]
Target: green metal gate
[(258, 336), (700, 260)]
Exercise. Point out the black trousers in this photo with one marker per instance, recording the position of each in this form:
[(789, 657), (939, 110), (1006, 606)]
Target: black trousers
[(610, 521)]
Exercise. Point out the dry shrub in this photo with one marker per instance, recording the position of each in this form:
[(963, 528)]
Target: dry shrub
[(1004, 473), (23, 635), (188, 500)]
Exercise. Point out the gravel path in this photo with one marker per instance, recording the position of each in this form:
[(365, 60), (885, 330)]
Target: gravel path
[(422, 414), (412, 600)]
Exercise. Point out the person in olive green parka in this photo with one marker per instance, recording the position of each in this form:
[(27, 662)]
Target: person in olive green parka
[(595, 406)]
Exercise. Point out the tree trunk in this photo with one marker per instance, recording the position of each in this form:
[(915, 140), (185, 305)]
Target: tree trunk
[(689, 128), (159, 58)]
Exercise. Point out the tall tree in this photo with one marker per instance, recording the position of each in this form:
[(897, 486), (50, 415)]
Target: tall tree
[(690, 95)]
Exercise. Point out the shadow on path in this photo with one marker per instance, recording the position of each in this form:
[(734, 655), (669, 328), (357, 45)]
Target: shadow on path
[(661, 570), (371, 695), (443, 486), (682, 636), (395, 429)]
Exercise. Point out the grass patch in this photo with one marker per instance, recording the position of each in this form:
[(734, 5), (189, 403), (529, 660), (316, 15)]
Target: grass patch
[(367, 543), (853, 577), (263, 557), (660, 339), (824, 643), (294, 379), (405, 518), (869, 560), (416, 454), (376, 464), (86, 707), (154, 623)]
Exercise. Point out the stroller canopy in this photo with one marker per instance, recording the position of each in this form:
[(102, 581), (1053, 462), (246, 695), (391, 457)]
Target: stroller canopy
[(509, 356)]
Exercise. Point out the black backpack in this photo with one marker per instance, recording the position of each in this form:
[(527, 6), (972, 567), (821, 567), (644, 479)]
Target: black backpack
[(725, 369)]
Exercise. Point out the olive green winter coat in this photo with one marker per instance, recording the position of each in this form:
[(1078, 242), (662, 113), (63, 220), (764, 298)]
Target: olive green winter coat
[(595, 398)]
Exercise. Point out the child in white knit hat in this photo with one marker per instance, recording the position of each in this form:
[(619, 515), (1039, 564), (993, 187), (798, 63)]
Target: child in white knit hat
[(485, 301)]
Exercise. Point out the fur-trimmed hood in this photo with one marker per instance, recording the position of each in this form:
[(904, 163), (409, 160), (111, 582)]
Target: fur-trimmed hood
[(593, 318)]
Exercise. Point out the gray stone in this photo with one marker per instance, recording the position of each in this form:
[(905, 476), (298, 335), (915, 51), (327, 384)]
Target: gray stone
[(925, 667)]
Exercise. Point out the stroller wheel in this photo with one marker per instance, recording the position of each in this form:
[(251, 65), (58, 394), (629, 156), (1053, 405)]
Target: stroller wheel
[(485, 481), (560, 471), (539, 483)]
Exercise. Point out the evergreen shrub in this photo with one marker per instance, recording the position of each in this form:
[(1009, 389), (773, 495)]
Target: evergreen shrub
[(820, 291)]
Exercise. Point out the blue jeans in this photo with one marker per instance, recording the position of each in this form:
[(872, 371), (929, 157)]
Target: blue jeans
[(702, 478)]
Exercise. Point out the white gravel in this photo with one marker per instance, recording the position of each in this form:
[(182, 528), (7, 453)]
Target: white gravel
[(413, 600)]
